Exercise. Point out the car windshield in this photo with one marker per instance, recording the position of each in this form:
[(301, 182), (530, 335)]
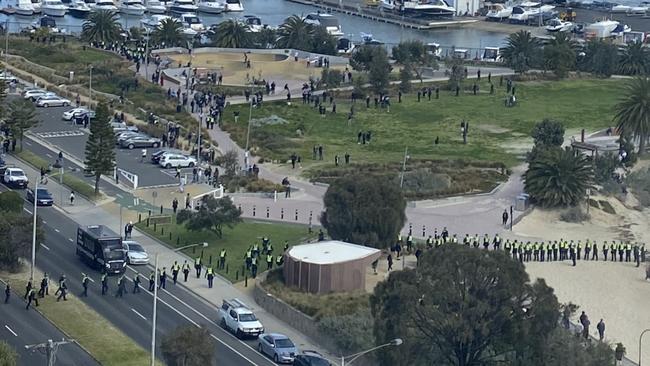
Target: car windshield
[(247, 317), (284, 343), (17, 173), (135, 247), (112, 243), (317, 361), (114, 254), (43, 193)]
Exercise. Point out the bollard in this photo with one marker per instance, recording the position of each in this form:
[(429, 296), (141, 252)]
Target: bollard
[(226, 269), (155, 226), (296, 214), (267, 212), (147, 222), (282, 214), (139, 218), (246, 280), (210, 259), (253, 210), (237, 275), (178, 240), (424, 231), (161, 209), (162, 230), (170, 236)]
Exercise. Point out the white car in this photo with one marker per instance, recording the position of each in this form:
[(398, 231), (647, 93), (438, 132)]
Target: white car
[(239, 319), (15, 177), (52, 101), (69, 115), (7, 77), (121, 127), (135, 253), (177, 160), (36, 93)]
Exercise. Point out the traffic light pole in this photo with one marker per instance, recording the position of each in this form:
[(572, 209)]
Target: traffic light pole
[(50, 347)]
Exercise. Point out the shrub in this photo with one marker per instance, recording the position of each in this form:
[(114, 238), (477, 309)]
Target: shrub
[(350, 333), (607, 207), (574, 215)]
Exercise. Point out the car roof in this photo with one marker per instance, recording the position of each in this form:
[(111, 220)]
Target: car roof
[(277, 336), (14, 170)]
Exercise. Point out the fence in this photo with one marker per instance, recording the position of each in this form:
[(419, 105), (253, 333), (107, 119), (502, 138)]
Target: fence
[(216, 193)]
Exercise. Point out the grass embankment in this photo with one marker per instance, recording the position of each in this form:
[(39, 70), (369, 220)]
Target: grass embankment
[(236, 241), (75, 184)]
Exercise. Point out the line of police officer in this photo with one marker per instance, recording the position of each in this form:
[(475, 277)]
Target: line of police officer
[(254, 255)]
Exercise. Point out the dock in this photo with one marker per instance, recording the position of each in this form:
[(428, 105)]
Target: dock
[(382, 16)]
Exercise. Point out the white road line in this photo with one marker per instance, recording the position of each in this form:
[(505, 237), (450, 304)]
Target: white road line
[(28, 211), (45, 246), (12, 332), (48, 155), (57, 230), (28, 143), (71, 241), (45, 222), (138, 314), (91, 280)]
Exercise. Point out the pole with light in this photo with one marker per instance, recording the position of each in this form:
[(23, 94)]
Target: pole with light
[(155, 301), (640, 338), (395, 342), (90, 89), (146, 55), (31, 271), (406, 156), (248, 131)]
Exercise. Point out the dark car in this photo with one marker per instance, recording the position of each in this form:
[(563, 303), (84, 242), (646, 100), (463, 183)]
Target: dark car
[(310, 358), (44, 198)]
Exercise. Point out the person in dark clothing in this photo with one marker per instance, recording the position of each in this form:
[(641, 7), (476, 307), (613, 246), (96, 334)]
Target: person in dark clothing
[(175, 204), (390, 262), (84, 283), (31, 297), (321, 235), (7, 292), (504, 217), (163, 278), (152, 281), (136, 284), (584, 320), (28, 287), (601, 329)]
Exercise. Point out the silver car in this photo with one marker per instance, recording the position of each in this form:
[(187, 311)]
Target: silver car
[(135, 253), (277, 346), (52, 101), (125, 135), (140, 141)]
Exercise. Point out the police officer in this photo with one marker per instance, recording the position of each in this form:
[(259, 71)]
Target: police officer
[(628, 251), (621, 251), (186, 270), (222, 259), (286, 245), (612, 249), (62, 290), (555, 249), (572, 250), (269, 261), (486, 241), (248, 257), (104, 283), (45, 286), (409, 243), (163, 278), (594, 251), (84, 283), (209, 274), (605, 250), (278, 260), (265, 243), (587, 249), (579, 249), (475, 242), (28, 287), (175, 269), (507, 246), (197, 266), (31, 296), (496, 243), (467, 241), (136, 284), (256, 250), (152, 280), (636, 254), (120, 286), (254, 267)]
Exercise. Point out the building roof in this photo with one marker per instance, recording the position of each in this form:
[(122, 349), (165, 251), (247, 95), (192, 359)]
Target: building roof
[(328, 252)]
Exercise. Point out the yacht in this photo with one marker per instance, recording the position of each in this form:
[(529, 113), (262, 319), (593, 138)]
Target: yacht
[(132, 7), (389, 5), (154, 20), (428, 8), (233, 5), (620, 30), (105, 5), (344, 46), (182, 6), (254, 23), (558, 25), (24, 8), (492, 54), (211, 7), (91, 4), (36, 4), (498, 12), (155, 7), (602, 29), (192, 21), (639, 10), (529, 10), (328, 21), (434, 50), (79, 9), (368, 39), (620, 8), (54, 8)]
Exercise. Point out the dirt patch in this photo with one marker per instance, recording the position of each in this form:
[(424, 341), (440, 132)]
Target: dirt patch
[(492, 128)]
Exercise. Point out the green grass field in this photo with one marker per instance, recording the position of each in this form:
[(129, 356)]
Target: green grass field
[(236, 241)]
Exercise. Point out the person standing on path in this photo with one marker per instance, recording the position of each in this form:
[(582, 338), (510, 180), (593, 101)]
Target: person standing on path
[(136, 284), (71, 198), (7, 292), (152, 281), (504, 217), (104, 283), (601, 329), (584, 320), (31, 296), (186, 270), (84, 283), (209, 274)]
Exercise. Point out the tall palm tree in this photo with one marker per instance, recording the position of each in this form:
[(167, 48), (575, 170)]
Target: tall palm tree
[(522, 52), (560, 54), (266, 38), (635, 59), (233, 34), (633, 111), (101, 26), (295, 33), (558, 177), (169, 32)]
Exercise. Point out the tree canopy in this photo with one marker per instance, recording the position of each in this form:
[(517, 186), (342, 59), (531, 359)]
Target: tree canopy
[(633, 111), (232, 34), (188, 346), (100, 147), (364, 210), (21, 117), (8, 356), (101, 26), (414, 53), (548, 133), (213, 214), (522, 51), (169, 32), (16, 231)]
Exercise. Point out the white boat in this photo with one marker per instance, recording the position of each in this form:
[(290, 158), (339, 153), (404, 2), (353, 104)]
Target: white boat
[(602, 29), (528, 11), (155, 7), (620, 8), (389, 5), (210, 7), (344, 46), (427, 8), (233, 5), (36, 4), (368, 39), (132, 7), (491, 54), (182, 6), (192, 21), (105, 5), (54, 8), (558, 25), (24, 8), (638, 10), (154, 20), (498, 12), (620, 30), (331, 24), (254, 23), (79, 9), (434, 49)]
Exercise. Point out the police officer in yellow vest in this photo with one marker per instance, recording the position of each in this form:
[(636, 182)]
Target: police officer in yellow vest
[(278, 260), (269, 261), (254, 267), (197, 266), (222, 259), (621, 250), (628, 251), (209, 274), (175, 269), (249, 258), (186, 270)]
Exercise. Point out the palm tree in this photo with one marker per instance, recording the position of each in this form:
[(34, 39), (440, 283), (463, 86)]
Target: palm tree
[(266, 38), (522, 51), (169, 32), (21, 116), (233, 34), (295, 33), (633, 111), (635, 59), (560, 54), (558, 177), (101, 26)]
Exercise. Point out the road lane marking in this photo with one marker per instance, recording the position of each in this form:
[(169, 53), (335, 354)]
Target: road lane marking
[(45, 246), (28, 211), (71, 241), (138, 314), (48, 155), (45, 222), (28, 143), (119, 195), (57, 230), (12, 332)]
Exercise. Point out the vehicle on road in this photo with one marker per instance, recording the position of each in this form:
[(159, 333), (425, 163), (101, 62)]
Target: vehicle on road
[(140, 141), (121, 126), (155, 156), (310, 358), (15, 177), (7, 77), (135, 253), (176, 160), (3, 166), (36, 93), (52, 101), (43, 197), (239, 319), (124, 135), (101, 248), (277, 346), (74, 112)]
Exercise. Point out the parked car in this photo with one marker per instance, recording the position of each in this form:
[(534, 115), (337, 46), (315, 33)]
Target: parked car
[(36, 93), (75, 112), (43, 197), (277, 346), (140, 141), (15, 177), (52, 101), (310, 358), (135, 253), (121, 126), (177, 160), (125, 135), (155, 157), (239, 319), (7, 77)]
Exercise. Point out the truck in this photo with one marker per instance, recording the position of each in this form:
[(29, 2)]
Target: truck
[(101, 248), (236, 317), (15, 177)]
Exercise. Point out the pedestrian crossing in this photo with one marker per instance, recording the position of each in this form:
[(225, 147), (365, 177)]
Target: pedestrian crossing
[(54, 134)]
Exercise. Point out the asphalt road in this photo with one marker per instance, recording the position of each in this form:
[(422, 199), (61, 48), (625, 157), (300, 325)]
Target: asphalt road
[(133, 313), (20, 327)]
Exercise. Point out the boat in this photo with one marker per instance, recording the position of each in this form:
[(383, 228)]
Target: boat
[(498, 12), (602, 29), (368, 39), (79, 9), (389, 5), (434, 49), (638, 10), (154, 20), (491, 54), (254, 23), (54, 8), (210, 7), (192, 21), (105, 5), (132, 7), (155, 7), (558, 25), (233, 5), (179, 7), (620, 8), (36, 4), (526, 11), (427, 8), (328, 21), (344, 46), (620, 30), (24, 8)]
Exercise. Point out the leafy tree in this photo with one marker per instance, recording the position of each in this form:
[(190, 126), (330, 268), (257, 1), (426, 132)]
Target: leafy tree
[(266, 37), (635, 59), (212, 214), (230, 163), (548, 133), (100, 147), (604, 166), (233, 34), (19, 229), (10, 201), (521, 52), (405, 76), (296, 33), (21, 117), (349, 332), (8, 356), (362, 57), (378, 71), (461, 307), (414, 53), (331, 77), (560, 54), (188, 345), (558, 177), (633, 111), (101, 26), (169, 32), (364, 209), (601, 58), (136, 33), (456, 73), (322, 42)]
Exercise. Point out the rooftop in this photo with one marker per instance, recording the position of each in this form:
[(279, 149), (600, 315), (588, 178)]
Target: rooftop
[(333, 251)]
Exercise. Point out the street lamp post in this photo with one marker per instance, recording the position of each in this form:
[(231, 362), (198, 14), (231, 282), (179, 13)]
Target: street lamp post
[(90, 89), (640, 338), (406, 156), (394, 342), (155, 301), (31, 272), (248, 131), (146, 56)]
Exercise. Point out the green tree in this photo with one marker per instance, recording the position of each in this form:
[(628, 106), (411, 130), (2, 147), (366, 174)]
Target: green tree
[(18, 228), (366, 210), (362, 57), (378, 71), (322, 42), (136, 34), (331, 77), (212, 214), (558, 177), (100, 147), (230, 163), (10, 201), (560, 54), (266, 37), (456, 73), (521, 52), (21, 117), (8, 356), (415, 54), (101, 26), (461, 307), (601, 58), (169, 32), (349, 332), (188, 345), (405, 76), (633, 111), (295, 33), (232, 34), (635, 59), (548, 133)]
